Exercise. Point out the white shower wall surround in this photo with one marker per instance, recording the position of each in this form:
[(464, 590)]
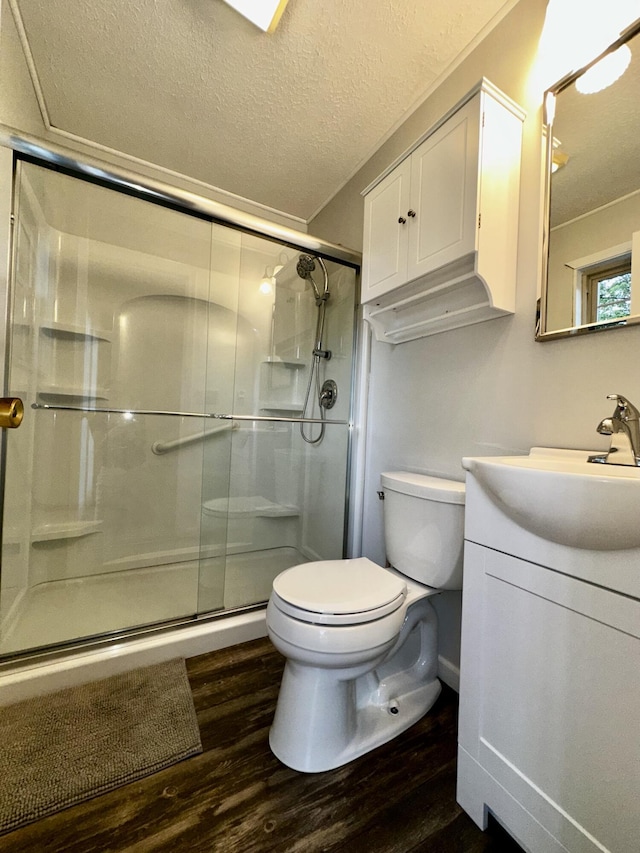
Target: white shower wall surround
[(128, 320)]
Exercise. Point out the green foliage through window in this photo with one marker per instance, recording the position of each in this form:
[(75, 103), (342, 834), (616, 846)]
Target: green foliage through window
[(614, 297)]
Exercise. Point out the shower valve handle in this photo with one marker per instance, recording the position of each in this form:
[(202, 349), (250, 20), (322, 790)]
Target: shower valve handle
[(329, 394)]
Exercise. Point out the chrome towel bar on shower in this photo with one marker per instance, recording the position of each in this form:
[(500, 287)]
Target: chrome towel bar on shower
[(129, 413)]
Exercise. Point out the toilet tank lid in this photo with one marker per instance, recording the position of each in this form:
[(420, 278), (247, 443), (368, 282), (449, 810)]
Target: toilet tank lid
[(424, 486)]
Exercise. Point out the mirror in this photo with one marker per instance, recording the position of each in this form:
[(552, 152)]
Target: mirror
[(591, 269)]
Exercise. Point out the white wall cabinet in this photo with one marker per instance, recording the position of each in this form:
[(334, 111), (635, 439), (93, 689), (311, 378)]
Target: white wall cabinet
[(549, 691), (384, 262), (441, 226)]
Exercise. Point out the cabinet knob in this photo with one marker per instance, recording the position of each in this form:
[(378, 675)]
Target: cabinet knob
[(401, 220), (411, 213)]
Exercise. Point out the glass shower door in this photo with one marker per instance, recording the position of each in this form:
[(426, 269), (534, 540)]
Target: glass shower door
[(286, 499), (174, 456), (110, 330)]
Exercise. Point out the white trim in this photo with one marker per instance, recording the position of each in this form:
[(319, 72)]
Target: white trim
[(28, 57), (265, 15), (610, 254), (449, 673), (359, 438), (582, 267), (595, 210)]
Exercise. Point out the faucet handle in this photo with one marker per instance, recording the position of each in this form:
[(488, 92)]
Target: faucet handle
[(625, 410), (605, 427)]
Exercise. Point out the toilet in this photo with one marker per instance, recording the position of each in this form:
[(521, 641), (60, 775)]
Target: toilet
[(360, 641)]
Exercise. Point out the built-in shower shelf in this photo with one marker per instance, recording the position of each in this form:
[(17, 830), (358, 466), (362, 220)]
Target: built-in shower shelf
[(64, 530), (250, 506), (73, 332), (55, 393), (283, 409), (289, 365)]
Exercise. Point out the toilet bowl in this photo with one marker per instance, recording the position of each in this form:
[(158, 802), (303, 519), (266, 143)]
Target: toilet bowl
[(360, 641)]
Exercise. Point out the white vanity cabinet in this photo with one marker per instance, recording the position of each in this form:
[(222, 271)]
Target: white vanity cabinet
[(441, 226), (549, 731)]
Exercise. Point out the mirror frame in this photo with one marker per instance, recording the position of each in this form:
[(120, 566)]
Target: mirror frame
[(541, 334)]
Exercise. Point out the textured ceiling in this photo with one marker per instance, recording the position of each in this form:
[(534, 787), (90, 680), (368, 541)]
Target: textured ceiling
[(599, 133), (281, 119)]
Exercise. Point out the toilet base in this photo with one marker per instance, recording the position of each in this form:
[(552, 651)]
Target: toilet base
[(325, 744), (326, 718)]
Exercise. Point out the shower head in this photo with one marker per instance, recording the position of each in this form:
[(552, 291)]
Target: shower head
[(305, 266)]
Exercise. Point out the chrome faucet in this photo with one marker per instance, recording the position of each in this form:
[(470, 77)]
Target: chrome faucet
[(624, 428)]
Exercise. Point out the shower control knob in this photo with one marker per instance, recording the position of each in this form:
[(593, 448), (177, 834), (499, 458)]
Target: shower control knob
[(329, 394), (411, 213), (401, 220)]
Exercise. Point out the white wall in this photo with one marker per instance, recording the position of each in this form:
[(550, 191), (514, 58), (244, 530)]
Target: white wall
[(486, 389)]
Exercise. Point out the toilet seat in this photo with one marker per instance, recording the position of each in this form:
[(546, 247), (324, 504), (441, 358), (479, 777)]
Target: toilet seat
[(338, 592)]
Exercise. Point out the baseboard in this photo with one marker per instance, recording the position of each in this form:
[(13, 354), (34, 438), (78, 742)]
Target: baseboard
[(449, 673)]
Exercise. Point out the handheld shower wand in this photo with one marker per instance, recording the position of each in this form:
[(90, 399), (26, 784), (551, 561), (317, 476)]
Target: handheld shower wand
[(305, 267)]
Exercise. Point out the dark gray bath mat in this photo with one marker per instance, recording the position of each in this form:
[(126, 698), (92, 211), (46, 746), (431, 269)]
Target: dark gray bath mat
[(65, 747)]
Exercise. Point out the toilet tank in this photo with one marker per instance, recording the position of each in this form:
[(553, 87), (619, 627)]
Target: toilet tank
[(424, 527)]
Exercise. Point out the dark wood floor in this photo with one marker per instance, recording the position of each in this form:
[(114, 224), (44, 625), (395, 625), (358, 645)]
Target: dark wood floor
[(236, 797)]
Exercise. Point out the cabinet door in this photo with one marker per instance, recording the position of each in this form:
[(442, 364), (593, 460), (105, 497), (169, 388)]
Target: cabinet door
[(385, 237), (444, 193), (550, 699)]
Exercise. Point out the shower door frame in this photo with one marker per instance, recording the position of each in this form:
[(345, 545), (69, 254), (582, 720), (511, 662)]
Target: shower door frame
[(14, 146)]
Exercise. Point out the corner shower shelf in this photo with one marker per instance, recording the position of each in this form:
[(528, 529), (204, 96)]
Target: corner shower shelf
[(71, 331), (49, 531)]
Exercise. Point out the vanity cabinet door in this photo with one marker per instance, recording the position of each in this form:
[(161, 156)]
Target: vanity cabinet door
[(549, 705), (444, 193), (384, 265)]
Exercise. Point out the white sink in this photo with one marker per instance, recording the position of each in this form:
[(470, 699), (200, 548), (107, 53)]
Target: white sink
[(559, 496)]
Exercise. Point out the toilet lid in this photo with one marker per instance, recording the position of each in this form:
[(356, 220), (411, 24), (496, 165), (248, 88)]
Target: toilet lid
[(335, 592)]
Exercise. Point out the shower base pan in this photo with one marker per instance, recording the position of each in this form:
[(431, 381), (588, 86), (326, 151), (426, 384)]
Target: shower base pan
[(64, 610)]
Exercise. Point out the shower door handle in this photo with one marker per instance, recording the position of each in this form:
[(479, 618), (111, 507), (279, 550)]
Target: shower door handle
[(11, 412)]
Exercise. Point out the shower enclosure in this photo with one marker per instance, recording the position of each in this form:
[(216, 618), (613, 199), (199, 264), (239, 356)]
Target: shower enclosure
[(166, 363)]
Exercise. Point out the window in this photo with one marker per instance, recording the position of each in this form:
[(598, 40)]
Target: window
[(606, 290)]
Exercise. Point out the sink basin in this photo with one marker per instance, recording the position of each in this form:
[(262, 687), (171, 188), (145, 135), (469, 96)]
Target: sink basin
[(559, 496)]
